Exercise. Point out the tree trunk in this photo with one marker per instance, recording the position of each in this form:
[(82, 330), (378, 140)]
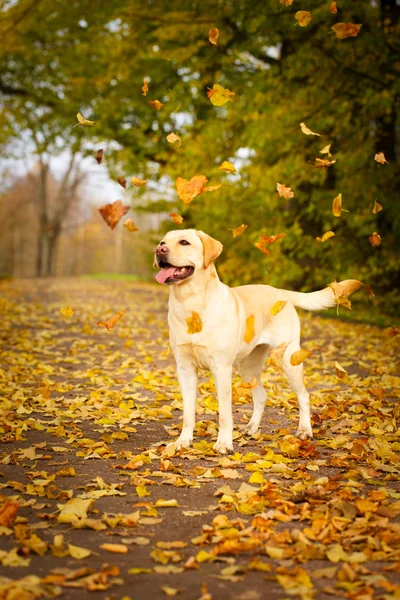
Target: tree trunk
[(43, 218)]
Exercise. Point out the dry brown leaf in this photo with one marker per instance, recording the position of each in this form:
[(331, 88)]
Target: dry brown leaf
[(112, 213), (156, 104), (303, 17), (377, 207), (121, 181), (393, 331), (249, 331), (325, 236), (194, 323), (308, 131), (138, 182), (99, 156), (238, 231), (111, 323), (285, 192), (286, 2), (130, 226), (380, 158), (145, 87), (345, 30), (213, 35), (375, 239), (298, 357), (172, 138), (333, 8), (176, 218)]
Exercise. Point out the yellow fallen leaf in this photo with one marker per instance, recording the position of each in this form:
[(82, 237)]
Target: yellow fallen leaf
[(366, 506), (336, 554), (67, 311), (257, 477), (83, 121), (298, 357), (156, 104), (326, 236), (74, 509), (277, 307), (307, 131), (142, 491), (249, 331), (172, 138), (170, 591), (393, 331), (115, 548), (219, 95), (228, 166), (377, 207), (213, 35), (238, 231), (194, 323), (160, 503), (77, 552), (303, 17), (139, 182), (380, 158), (345, 30), (341, 373)]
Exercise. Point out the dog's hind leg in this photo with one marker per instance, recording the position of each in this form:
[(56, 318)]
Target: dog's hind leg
[(295, 377), (249, 368)]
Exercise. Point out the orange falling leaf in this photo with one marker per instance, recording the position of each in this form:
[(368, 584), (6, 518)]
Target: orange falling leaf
[(262, 247), (188, 189), (286, 2), (213, 35), (308, 131), (219, 95), (249, 331), (298, 357), (111, 323), (303, 17), (377, 207), (122, 182), (139, 182), (346, 30), (271, 239), (285, 192), (176, 218), (323, 163), (228, 166), (277, 307), (380, 158), (112, 213), (156, 104), (369, 290), (172, 138), (194, 323), (333, 8), (375, 239), (99, 156), (326, 236), (238, 231), (130, 226), (145, 87)]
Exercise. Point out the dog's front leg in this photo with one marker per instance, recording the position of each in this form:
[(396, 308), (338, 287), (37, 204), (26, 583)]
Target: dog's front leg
[(223, 383), (187, 377)]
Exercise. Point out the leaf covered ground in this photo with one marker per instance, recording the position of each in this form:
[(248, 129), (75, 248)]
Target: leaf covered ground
[(91, 501)]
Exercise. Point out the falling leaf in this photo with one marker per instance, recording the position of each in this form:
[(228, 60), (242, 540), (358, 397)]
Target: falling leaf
[(375, 239), (238, 231), (112, 213), (344, 289), (115, 548), (340, 372), (138, 182), (377, 207), (189, 189), (325, 236), (99, 156), (130, 225), (337, 206), (213, 35), (121, 181), (228, 166), (286, 2), (194, 323), (156, 104), (67, 311), (111, 323), (303, 17), (78, 553), (7, 512), (249, 331), (176, 218), (271, 239), (298, 357), (345, 30), (285, 192), (333, 8), (219, 95), (380, 158), (83, 121), (369, 291), (308, 131), (173, 137), (145, 87), (393, 331), (277, 307), (326, 150), (323, 163)]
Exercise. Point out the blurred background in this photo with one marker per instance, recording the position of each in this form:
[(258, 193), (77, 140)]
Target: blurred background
[(59, 57)]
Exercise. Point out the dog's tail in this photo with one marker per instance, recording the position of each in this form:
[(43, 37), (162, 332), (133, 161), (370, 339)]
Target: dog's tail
[(332, 295)]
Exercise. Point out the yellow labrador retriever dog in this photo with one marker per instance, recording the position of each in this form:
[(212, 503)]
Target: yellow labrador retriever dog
[(186, 262)]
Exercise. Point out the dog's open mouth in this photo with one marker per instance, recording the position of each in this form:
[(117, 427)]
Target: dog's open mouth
[(170, 274)]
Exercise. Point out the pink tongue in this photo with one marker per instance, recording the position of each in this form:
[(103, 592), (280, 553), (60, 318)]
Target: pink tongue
[(163, 275)]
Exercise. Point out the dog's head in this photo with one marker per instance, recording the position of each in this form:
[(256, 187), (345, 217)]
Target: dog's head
[(182, 254)]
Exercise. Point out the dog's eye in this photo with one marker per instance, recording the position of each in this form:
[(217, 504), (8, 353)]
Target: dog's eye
[(184, 243)]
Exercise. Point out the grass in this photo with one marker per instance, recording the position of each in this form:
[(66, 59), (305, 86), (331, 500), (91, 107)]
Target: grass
[(112, 277)]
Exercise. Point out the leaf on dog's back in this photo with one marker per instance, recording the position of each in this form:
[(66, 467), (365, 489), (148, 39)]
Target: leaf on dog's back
[(111, 323), (277, 307), (298, 357), (194, 323), (249, 331)]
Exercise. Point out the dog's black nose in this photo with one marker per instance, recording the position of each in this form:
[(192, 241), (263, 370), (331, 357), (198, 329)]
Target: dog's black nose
[(161, 250)]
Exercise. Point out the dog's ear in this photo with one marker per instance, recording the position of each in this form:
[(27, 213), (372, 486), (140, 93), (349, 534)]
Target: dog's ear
[(211, 248)]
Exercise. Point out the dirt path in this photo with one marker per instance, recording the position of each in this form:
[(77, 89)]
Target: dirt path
[(85, 417)]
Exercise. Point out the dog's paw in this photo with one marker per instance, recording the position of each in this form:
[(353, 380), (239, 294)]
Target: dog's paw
[(251, 428), (182, 443), (223, 447), (304, 433)]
